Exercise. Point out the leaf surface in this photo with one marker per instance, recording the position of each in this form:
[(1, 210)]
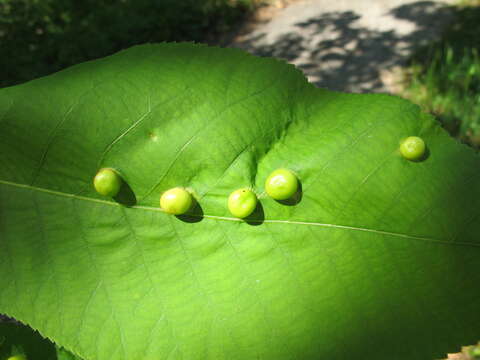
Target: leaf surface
[(379, 258)]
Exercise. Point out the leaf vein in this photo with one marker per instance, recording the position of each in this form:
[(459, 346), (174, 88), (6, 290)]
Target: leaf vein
[(272, 221)]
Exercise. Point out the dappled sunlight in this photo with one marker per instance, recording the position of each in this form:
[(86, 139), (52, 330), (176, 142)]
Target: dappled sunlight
[(347, 50)]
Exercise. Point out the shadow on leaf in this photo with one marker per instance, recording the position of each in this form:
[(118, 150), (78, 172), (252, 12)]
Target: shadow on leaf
[(126, 196), (194, 215), (257, 217)]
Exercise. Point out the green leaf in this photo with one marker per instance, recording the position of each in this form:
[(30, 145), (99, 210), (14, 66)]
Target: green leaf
[(378, 257), (63, 354)]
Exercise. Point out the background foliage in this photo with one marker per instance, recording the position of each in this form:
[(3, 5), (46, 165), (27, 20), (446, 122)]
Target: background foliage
[(445, 76), (38, 37), (16, 339)]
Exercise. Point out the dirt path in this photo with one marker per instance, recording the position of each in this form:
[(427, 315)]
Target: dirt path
[(348, 45)]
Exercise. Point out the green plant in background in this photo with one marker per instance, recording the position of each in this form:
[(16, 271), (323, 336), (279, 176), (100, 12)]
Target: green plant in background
[(449, 87), (20, 343), (377, 248), (475, 352), (444, 78), (38, 37)]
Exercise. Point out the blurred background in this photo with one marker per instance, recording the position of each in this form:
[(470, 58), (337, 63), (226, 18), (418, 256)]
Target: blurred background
[(427, 51), (38, 37)]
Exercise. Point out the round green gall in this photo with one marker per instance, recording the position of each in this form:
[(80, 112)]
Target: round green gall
[(107, 182), (412, 148), (176, 201), (242, 202), (17, 357), (281, 184)]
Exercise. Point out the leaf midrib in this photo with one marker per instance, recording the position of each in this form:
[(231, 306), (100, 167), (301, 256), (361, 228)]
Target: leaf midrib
[(225, 218)]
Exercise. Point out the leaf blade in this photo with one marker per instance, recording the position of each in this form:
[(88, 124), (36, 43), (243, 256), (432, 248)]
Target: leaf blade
[(108, 281)]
